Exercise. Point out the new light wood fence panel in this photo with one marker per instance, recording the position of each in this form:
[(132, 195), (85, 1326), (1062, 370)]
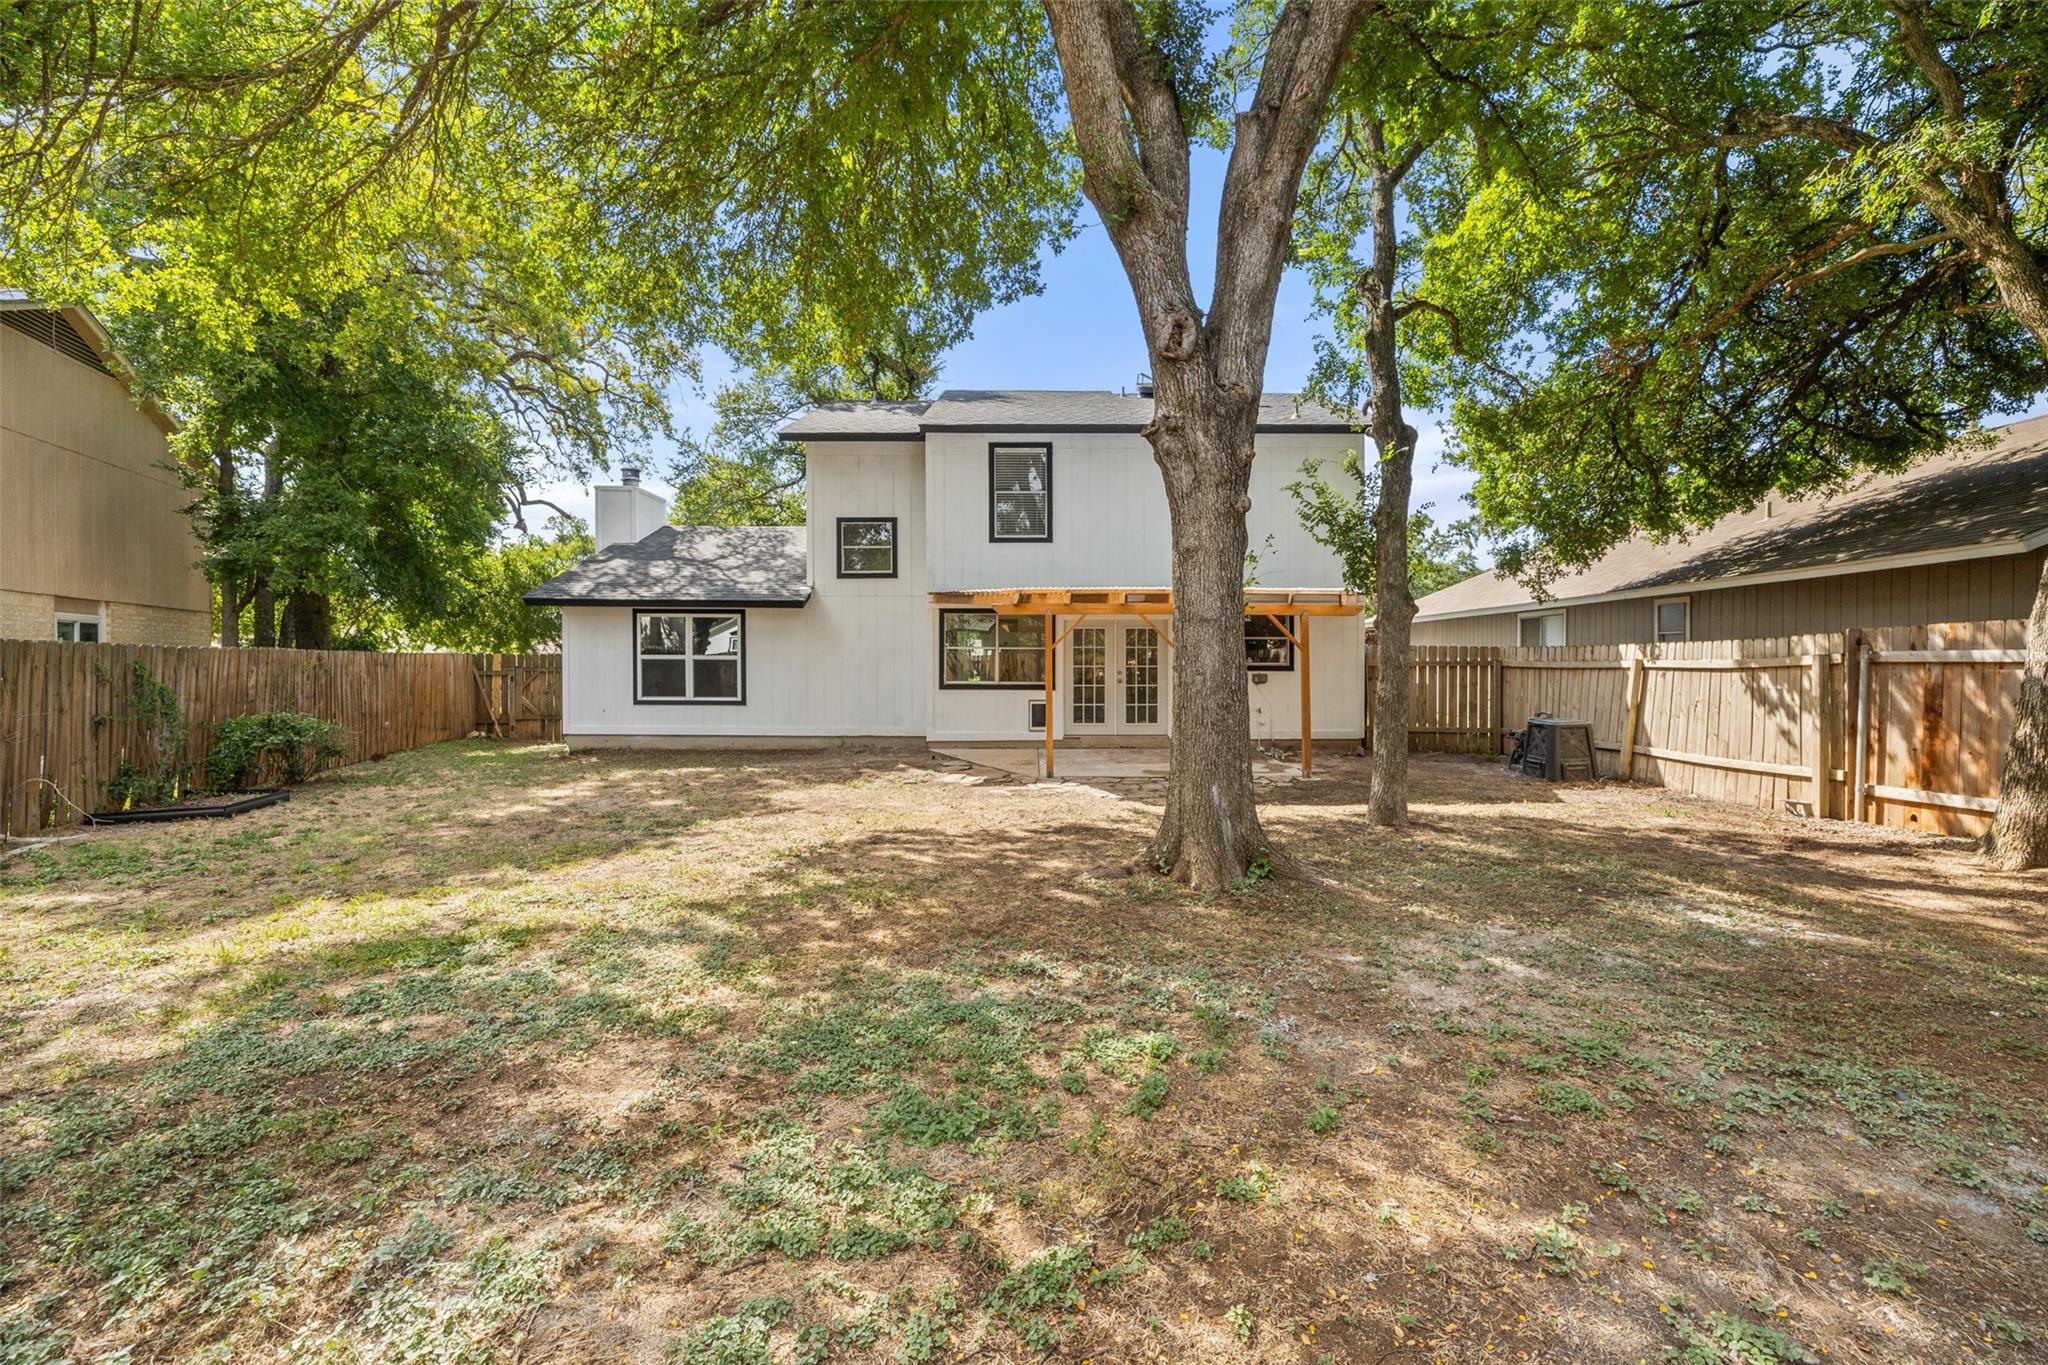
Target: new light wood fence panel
[(1767, 722), (1938, 726), (65, 722)]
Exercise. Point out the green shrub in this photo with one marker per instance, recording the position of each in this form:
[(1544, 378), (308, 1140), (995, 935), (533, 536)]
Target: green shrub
[(277, 747)]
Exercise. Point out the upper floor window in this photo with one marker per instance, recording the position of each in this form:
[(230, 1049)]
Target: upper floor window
[(1674, 620), (78, 630), (1020, 492), (1266, 646), (867, 547), (690, 657)]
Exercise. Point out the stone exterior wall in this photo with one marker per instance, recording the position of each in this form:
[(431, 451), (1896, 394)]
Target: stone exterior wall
[(33, 616), (133, 624)]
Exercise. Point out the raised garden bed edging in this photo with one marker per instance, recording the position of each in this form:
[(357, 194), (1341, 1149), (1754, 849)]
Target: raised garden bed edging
[(254, 801)]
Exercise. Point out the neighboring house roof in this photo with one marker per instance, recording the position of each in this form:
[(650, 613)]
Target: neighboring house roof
[(1969, 503), (84, 328), (1031, 410), (689, 566)]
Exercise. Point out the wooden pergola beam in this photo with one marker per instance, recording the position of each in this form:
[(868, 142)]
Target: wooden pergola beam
[(1154, 606)]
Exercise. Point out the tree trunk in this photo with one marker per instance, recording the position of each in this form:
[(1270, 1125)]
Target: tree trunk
[(308, 621), (230, 613), (224, 493), (263, 608), (1394, 439), (2019, 832), (1133, 144), (262, 596), (1210, 833)]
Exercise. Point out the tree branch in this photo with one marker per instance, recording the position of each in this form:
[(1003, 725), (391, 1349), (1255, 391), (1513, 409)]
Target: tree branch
[(1868, 253), (1262, 186)]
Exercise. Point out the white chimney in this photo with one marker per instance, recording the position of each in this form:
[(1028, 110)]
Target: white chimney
[(626, 512)]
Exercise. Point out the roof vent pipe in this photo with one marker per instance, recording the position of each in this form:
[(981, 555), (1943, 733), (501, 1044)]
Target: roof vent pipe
[(629, 475), (1144, 386)]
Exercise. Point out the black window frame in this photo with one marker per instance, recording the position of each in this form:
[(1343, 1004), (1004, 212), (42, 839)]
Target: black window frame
[(1293, 623), (993, 447), (839, 547), (634, 646), (944, 686)]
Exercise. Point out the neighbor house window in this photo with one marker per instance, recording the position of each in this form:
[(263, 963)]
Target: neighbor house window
[(1544, 628), (78, 630), (982, 649), (867, 547), (1020, 492), (1674, 620), (690, 657), (1266, 648)]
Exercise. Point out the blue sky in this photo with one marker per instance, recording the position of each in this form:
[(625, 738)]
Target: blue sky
[(1081, 332)]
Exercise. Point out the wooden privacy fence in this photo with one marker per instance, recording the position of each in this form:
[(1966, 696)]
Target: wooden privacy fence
[(65, 720), (1916, 717)]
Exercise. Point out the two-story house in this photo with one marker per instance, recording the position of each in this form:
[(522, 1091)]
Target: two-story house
[(969, 565), (94, 542)]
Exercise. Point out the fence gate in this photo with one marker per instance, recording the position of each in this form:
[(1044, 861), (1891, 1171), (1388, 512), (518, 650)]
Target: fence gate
[(519, 695)]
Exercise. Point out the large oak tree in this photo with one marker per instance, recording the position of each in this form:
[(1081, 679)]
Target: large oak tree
[(783, 180), (1785, 244)]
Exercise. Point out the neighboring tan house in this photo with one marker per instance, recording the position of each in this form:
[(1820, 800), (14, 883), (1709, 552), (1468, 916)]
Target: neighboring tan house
[(953, 550), (1960, 537), (93, 546)]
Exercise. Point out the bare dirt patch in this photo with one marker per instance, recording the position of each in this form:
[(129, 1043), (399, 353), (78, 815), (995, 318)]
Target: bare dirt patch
[(825, 1056)]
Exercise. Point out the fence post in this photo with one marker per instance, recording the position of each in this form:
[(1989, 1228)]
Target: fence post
[(1495, 680), (1861, 738), (1814, 734), (1635, 709)]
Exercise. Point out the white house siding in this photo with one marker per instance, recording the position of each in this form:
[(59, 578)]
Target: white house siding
[(1109, 522), (850, 663), (860, 659)]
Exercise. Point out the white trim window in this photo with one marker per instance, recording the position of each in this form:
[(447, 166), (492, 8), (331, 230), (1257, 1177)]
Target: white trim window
[(1539, 629), (1673, 619), (683, 658), (76, 628)]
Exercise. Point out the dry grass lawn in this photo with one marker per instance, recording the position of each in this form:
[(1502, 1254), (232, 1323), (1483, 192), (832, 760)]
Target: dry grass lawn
[(488, 1052)]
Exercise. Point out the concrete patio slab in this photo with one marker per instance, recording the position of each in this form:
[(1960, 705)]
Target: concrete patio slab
[(1100, 765)]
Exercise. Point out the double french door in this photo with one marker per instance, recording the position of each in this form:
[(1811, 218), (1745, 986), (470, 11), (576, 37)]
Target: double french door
[(1117, 680)]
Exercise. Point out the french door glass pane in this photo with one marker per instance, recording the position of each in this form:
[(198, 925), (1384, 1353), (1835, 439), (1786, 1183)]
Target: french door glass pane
[(1091, 676), (1141, 677)]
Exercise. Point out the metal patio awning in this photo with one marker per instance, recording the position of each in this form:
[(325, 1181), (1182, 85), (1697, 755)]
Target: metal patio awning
[(1144, 601)]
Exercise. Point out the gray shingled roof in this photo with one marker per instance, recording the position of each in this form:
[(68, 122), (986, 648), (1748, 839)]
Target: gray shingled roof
[(876, 420), (1030, 410), (1964, 500), (680, 566)]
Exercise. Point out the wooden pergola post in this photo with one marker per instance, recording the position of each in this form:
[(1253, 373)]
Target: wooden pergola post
[(1308, 740), (1050, 645)]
